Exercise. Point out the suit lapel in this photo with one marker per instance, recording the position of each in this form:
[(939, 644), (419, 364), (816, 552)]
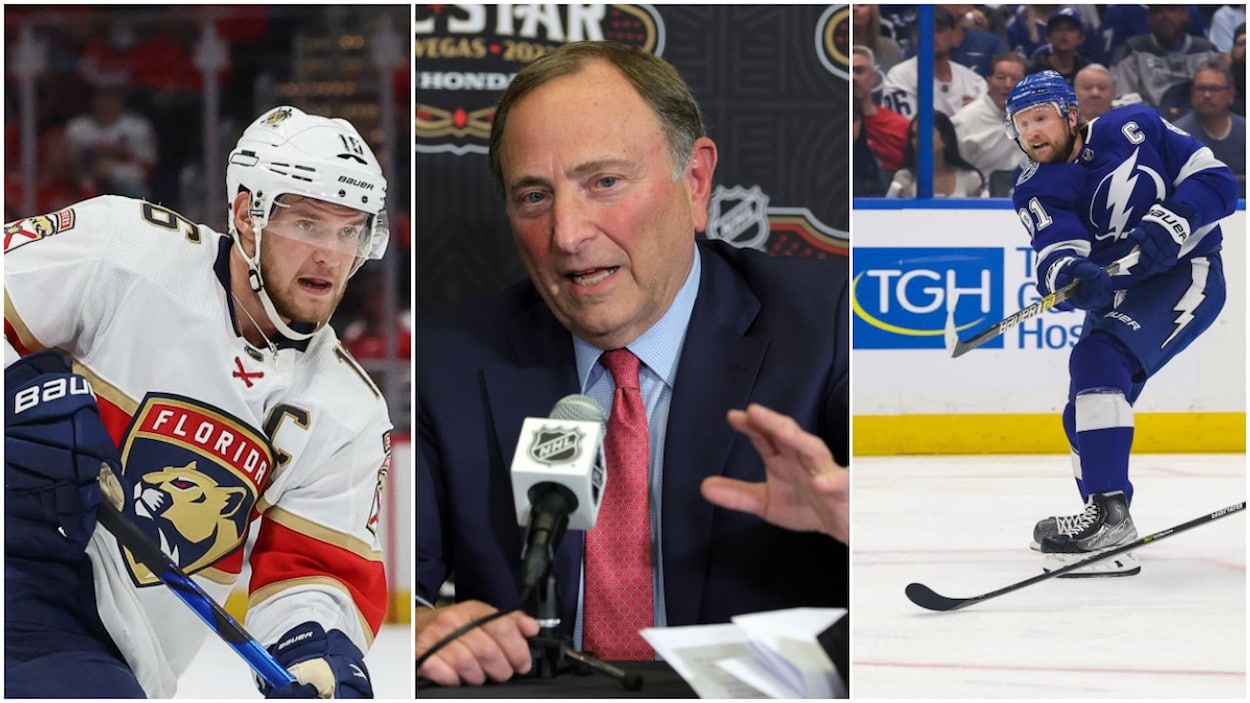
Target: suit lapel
[(718, 369)]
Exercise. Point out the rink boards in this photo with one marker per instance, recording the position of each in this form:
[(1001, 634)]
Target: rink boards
[(909, 397)]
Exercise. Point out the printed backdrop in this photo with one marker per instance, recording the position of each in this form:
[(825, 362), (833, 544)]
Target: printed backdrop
[(772, 83)]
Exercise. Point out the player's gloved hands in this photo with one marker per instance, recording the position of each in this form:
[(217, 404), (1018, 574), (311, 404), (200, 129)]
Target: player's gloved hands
[(324, 664), (1159, 234), (1094, 292), (1095, 289), (54, 443)]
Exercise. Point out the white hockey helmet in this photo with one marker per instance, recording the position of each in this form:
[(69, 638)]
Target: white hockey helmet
[(287, 151)]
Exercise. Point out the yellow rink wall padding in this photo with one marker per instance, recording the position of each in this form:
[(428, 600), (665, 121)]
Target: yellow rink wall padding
[(1157, 433)]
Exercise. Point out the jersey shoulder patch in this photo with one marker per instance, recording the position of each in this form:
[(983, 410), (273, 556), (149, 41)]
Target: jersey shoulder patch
[(1027, 171), (33, 229)]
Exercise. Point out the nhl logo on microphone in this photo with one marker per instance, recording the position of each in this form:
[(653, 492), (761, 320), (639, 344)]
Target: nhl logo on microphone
[(556, 445)]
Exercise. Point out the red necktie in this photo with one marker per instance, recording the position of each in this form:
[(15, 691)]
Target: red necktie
[(619, 597)]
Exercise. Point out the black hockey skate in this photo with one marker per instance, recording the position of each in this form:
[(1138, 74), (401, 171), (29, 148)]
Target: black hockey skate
[(1051, 526), (1104, 524)]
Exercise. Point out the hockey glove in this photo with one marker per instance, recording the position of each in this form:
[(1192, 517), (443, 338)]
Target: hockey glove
[(54, 443), (1095, 289), (1160, 234), (324, 664)]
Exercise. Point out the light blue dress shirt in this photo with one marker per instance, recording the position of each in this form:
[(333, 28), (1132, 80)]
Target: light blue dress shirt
[(659, 349)]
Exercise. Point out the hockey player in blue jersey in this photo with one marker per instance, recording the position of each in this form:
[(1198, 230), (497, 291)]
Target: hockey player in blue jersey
[(1092, 193)]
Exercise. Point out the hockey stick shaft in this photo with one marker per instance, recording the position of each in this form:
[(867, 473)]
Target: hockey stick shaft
[(182, 586), (958, 347), (926, 597)]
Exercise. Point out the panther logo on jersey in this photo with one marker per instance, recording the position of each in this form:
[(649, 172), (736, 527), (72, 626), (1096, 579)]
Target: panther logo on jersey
[(201, 511), (194, 474), (32, 229), (1122, 197)]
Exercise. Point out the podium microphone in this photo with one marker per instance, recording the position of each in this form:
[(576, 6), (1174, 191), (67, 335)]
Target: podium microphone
[(558, 479)]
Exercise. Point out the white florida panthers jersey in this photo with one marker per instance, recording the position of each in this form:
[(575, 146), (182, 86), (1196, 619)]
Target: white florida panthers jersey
[(213, 433)]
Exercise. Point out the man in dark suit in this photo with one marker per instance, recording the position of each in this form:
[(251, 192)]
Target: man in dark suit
[(600, 154)]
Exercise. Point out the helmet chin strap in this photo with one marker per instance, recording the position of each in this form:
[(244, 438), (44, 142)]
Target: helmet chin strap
[(283, 328), (257, 284)]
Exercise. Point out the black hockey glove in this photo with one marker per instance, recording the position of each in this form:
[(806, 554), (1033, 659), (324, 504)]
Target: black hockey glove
[(1160, 234), (324, 664), (54, 443)]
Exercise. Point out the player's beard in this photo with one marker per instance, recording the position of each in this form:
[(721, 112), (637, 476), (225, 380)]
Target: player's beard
[(284, 300), (1059, 153)]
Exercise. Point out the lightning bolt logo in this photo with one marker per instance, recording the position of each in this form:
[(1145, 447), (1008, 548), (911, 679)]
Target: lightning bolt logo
[(1192, 298), (1123, 178)]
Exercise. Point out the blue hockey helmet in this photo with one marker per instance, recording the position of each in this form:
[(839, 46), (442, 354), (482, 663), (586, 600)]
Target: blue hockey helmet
[(1041, 88)]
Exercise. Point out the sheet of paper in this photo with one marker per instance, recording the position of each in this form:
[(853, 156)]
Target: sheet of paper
[(755, 673), (694, 651), (785, 642)]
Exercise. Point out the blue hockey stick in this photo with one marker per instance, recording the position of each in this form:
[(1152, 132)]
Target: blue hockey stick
[(216, 617)]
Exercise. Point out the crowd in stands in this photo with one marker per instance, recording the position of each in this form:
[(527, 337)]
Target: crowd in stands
[(119, 109), (1186, 61)]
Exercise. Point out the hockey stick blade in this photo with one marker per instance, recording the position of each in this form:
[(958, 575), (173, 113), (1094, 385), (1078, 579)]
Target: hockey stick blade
[(218, 620), (929, 599), (958, 347)]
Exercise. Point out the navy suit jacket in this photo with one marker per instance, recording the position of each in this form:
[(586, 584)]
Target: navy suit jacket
[(763, 329)]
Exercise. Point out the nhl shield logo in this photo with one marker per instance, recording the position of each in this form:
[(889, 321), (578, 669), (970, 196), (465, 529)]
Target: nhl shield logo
[(739, 216), (556, 445)]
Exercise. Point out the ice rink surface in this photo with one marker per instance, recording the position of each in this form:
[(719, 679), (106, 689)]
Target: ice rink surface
[(219, 673), (962, 526)]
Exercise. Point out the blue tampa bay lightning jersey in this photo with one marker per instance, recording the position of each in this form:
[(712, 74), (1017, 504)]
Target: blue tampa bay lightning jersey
[(1131, 158)]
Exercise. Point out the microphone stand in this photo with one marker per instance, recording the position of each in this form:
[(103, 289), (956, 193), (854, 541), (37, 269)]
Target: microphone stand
[(552, 651)]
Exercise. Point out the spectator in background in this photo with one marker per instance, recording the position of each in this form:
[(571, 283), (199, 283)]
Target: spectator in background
[(972, 47), (885, 131), (1237, 66), (1095, 89), (898, 22), (979, 125), (103, 59), (1224, 26), (952, 176), (1065, 35), (62, 179), (1122, 22), (117, 147), (867, 32), (1211, 122), (868, 179), (954, 85), (1164, 59), (1026, 30), (975, 17)]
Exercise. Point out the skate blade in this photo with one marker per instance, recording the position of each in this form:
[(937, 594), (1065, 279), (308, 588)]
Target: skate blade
[(1125, 564)]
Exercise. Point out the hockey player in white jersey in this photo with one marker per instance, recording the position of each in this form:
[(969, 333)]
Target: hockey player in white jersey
[(1093, 193), (221, 397)]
